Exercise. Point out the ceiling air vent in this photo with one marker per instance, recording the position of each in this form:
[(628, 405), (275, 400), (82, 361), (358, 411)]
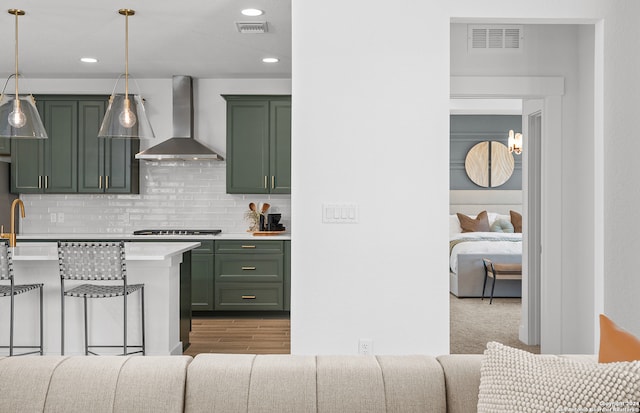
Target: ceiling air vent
[(495, 38), (252, 27)]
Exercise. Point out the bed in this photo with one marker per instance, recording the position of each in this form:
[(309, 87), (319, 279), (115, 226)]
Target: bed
[(466, 250)]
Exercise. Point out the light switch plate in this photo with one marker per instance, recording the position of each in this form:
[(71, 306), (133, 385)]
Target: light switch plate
[(340, 213)]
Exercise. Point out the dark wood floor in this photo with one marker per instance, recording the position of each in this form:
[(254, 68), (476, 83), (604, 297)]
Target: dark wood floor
[(240, 335)]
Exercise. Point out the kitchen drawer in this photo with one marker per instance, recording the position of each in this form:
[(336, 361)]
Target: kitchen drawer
[(206, 247), (249, 267), (245, 296), (249, 246)]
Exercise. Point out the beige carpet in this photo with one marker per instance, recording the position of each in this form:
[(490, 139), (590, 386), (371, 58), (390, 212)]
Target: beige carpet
[(474, 323)]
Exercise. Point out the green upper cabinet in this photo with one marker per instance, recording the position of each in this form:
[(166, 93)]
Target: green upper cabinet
[(48, 165), (73, 159), (5, 146), (258, 144), (104, 164)]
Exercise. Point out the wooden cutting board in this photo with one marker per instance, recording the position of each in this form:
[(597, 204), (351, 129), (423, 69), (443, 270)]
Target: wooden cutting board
[(267, 233)]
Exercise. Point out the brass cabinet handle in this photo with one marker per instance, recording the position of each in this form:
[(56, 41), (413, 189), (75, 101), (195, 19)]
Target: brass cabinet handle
[(248, 297), (248, 268), (265, 182), (247, 246), (100, 182), (106, 180), (46, 181), (39, 181), (273, 181)]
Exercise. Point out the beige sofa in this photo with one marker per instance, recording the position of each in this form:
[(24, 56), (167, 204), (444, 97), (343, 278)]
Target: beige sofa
[(240, 383)]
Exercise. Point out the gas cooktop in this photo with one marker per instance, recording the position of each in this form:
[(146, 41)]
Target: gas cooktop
[(177, 232)]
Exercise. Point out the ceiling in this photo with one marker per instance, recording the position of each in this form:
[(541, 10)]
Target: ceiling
[(194, 37)]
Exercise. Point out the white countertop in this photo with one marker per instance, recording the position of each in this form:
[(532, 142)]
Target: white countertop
[(129, 237), (134, 251)]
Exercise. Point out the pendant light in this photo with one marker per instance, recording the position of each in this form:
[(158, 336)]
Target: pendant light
[(19, 117), (125, 117)]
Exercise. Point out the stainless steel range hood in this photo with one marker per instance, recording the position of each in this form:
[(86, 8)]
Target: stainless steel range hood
[(182, 146)]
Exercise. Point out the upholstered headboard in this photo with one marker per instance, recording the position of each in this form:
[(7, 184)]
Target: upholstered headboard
[(471, 202)]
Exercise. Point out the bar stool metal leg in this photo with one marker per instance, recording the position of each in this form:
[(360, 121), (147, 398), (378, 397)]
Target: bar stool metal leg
[(41, 322), (11, 323), (86, 329), (142, 309), (125, 322)]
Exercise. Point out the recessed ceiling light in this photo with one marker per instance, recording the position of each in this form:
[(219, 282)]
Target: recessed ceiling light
[(252, 12), (270, 60), (88, 60)]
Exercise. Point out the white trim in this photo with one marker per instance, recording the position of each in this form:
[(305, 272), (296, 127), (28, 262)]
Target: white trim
[(506, 86)]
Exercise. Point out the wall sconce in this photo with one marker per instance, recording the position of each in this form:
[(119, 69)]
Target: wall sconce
[(515, 142)]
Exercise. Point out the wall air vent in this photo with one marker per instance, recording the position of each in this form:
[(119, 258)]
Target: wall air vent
[(252, 27), (504, 38)]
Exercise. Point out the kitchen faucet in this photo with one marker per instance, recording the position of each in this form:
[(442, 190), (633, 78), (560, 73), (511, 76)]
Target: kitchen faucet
[(11, 236)]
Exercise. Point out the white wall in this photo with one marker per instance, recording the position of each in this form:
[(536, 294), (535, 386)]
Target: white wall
[(370, 125), (373, 97)]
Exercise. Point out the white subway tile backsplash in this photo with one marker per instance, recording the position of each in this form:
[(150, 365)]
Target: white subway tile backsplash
[(172, 195)]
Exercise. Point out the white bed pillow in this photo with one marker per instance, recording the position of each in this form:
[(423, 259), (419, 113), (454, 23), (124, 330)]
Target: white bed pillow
[(513, 380), (454, 226)]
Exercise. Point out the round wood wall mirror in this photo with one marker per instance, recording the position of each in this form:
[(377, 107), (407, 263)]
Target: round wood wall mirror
[(489, 164)]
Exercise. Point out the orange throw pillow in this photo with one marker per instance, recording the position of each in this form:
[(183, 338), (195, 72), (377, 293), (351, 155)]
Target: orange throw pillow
[(479, 224), (616, 344)]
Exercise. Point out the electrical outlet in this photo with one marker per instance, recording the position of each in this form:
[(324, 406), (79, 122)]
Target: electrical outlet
[(53, 217), (60, 216), (365, 346)]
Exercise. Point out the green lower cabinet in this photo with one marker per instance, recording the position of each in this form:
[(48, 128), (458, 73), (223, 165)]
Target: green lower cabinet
[(202, 285), (287, 276), (249, 296), (249, 275)]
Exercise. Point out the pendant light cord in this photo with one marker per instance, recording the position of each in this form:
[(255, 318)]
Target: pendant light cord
[(126, 56), (16, 52)]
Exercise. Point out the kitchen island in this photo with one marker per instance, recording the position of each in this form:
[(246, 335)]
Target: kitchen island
[(155, 264)]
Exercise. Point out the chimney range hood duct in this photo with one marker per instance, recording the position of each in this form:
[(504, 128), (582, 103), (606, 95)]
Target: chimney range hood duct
[(182, 147)]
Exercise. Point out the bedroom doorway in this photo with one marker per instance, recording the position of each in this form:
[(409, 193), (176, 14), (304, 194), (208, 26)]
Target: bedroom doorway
[(473, 321), (550, 130)]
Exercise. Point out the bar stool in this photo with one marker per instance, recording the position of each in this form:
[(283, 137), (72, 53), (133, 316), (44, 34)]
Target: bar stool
[(11, 290), (97, 261)]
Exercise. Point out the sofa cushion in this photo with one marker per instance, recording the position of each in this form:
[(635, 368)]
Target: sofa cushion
[(413, 384), (282, 383), (152, 384), (25, 381), (616, 344), (462, 379), (514, 380), (218, 383)]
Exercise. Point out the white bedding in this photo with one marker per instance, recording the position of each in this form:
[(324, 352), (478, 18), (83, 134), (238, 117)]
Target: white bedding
[(484, 242)]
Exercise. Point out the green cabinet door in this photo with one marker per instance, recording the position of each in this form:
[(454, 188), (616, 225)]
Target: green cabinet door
[(202, 286), (248, 146), (60, 161), (258, 144), (121, 168), (5, 146), (105, 164), (26, 166), (280, 147), (90, 147)]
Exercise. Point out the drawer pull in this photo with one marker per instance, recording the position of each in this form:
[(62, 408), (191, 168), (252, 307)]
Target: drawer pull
[(248, 297), (248, 268), (248, 246)]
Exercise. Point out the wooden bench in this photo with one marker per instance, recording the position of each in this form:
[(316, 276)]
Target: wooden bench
[(497, 270)]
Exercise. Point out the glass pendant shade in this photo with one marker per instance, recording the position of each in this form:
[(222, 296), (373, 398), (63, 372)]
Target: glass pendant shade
[(14, 113), (125, 118)]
